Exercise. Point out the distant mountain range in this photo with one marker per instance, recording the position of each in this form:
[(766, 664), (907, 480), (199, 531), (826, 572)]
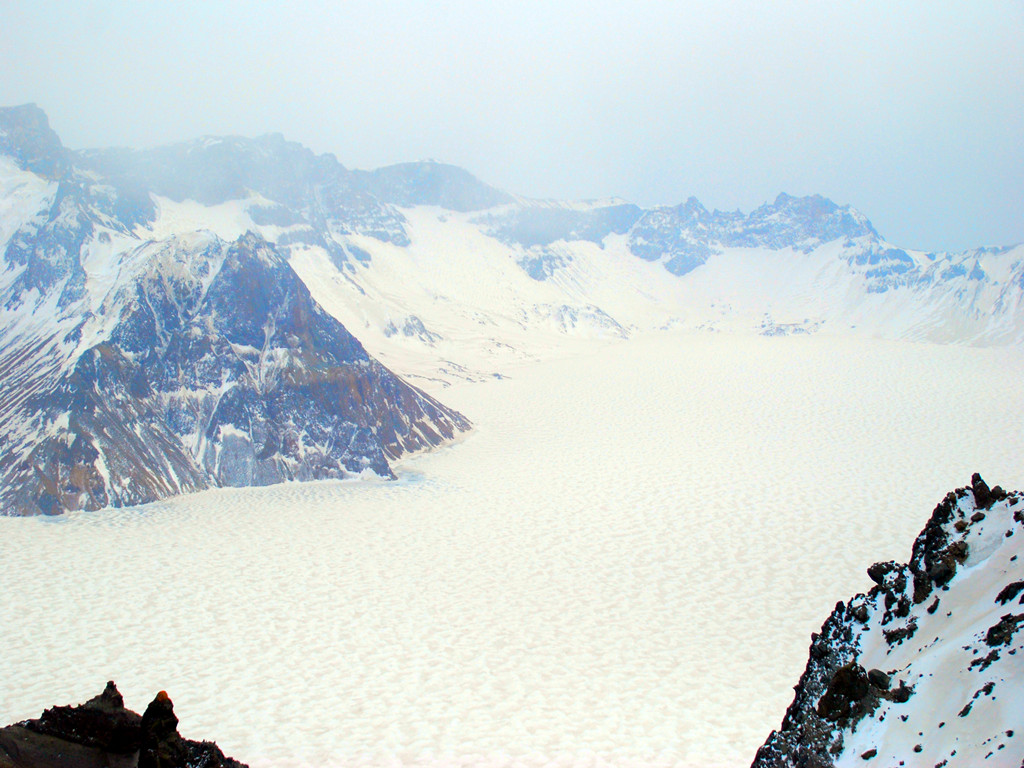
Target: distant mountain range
[(187, 317)]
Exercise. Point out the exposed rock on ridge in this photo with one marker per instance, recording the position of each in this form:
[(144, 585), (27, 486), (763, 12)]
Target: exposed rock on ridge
[(26, 136), (926, 668)]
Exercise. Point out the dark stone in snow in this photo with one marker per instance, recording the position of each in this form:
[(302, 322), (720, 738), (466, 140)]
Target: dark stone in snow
[(902, 693), (898, 635), (879, 571), (879, 679), (942, 571), (849, 686), (1010, 591), (1003, 632)]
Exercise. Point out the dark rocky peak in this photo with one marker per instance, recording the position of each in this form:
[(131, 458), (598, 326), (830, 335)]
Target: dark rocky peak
[(906, 662), (101, 722), (692, 213), (684, 237), (26, 136), (219, 369), (793, 221), (103, 733), (811, 207), (431, 183), (277, 311)]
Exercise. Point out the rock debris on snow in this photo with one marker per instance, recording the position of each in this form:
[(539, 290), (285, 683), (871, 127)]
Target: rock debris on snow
[(966, 700)]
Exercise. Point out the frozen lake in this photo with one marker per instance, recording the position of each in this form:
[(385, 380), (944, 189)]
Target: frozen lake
[(621, 566)]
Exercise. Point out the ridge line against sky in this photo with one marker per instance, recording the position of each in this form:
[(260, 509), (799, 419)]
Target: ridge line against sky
[(913, 112)]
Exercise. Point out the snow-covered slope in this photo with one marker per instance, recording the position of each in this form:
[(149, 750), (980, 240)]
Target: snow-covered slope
[(928, 667)]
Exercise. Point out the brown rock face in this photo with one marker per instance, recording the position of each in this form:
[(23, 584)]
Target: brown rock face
[(102, 723), (161, 747)]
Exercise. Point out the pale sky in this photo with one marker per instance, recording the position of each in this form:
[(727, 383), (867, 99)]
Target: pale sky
[(912, 112)]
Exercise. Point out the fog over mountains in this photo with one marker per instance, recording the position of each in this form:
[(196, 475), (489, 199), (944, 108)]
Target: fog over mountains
[(183, 317)]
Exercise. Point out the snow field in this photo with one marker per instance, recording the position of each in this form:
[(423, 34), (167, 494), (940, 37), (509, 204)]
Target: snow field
[(620, 567)]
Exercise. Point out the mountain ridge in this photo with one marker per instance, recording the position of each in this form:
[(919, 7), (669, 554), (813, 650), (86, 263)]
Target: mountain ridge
[(437, 293), (310, 204)]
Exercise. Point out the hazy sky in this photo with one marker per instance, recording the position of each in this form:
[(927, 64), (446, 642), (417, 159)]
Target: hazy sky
[(911, 111)]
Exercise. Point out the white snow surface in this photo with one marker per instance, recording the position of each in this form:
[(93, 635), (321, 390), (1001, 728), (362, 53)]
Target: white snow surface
[(620, 566), (23, 195)]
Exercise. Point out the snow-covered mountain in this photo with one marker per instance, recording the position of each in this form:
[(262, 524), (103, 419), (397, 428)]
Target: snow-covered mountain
[(925, 668), (445, 276), (164, 301), (134, 366)]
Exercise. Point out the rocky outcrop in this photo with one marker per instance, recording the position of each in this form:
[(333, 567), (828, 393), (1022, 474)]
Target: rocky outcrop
[(895, 673), (216, 368), (26, 137), (102, 733), (685, 236)]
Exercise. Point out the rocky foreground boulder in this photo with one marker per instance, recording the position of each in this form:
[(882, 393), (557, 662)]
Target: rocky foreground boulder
[(102, 733), (927, 668)]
